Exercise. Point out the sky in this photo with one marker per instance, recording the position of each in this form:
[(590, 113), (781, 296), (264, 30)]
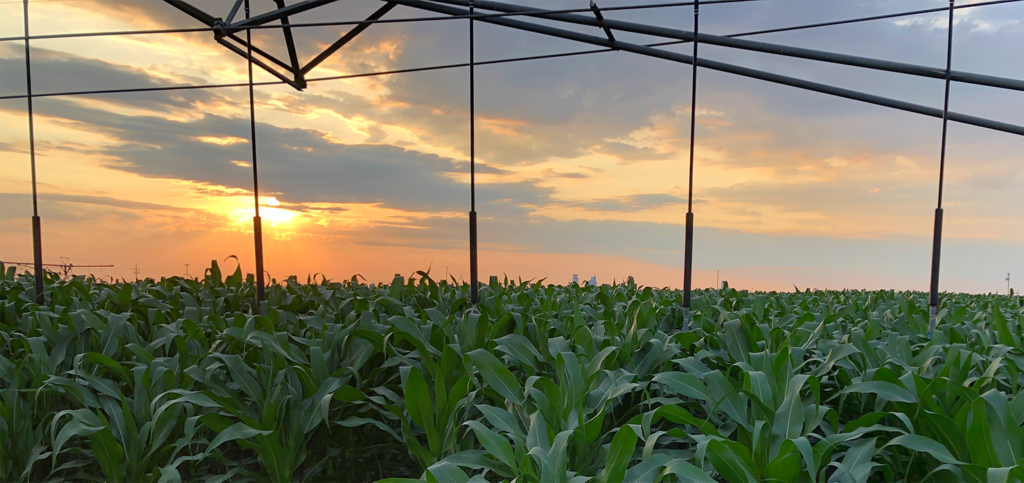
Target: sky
[(581, 161)]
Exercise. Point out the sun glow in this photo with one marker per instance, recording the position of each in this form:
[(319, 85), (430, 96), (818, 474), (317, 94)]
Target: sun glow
[(239, 210), (222, 141), (278, 217)]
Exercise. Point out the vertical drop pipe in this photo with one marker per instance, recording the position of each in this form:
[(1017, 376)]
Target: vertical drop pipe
[(933, 300), (257, 222), (37, 230), (474, 294), (688, 247)]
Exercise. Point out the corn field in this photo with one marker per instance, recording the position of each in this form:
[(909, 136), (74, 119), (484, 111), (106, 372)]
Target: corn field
[(190, 380)]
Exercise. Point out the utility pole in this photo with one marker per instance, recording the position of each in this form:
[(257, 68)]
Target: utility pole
[(136, 272), (1007, 283), (187, 276)]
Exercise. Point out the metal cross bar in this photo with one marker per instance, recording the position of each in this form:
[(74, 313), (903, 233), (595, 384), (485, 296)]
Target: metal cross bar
[(194, 12), (358, 29), (753, 73), (846, 93), (109, 33), (259, 51), (289, 42), (262, 64), (220, 32), (765, 47), (724, 67), (600, 17), (234, 10), (277, 14)]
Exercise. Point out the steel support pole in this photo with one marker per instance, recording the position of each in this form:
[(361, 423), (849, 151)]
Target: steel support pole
[(474, 294), (257, 223), (933, 299), (37, 230), (688, 243)]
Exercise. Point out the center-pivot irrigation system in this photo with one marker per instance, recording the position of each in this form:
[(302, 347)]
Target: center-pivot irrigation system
[(226, 31)]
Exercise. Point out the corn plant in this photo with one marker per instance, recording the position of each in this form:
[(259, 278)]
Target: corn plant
[(194, 380)]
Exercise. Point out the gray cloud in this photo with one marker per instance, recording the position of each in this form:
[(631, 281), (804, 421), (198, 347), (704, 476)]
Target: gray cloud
[(631, 203), (106, 201), (64, 207), (299, 164), (848, 196), (628, 153), (551, 173), (54, 71)]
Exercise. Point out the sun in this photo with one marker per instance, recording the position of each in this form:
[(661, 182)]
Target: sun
[(278, 217), (273, 202)]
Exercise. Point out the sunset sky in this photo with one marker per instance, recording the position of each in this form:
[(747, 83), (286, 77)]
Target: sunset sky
[(581, 160)]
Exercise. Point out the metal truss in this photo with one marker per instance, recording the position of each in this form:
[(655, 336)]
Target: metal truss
[(291, 72), (225, 33)]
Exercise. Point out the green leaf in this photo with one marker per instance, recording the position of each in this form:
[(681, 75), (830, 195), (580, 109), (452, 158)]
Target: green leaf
[(686, 472), (785, 467), (924, 445), (83, 423), (411, 329), (494, 443), (243, 375), (1005, 474), (497, 375), (683, 384), (887, 390), (418, 402), (647, 471), (945, 431), (234, 432), (500, 419), (730, 465), (109, 454), (520, 348), (1002, 326), (619, 453), (445, 472), (979, 437), (108, 363), (789, 418)]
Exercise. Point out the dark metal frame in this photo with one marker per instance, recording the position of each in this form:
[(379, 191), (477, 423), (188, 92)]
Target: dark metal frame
[(688, 237), (933, 298), (474, 286), (294, 74), (37, 228)]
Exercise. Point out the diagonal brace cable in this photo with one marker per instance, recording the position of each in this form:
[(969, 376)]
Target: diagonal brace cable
[(725, 67), (753, 45)]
